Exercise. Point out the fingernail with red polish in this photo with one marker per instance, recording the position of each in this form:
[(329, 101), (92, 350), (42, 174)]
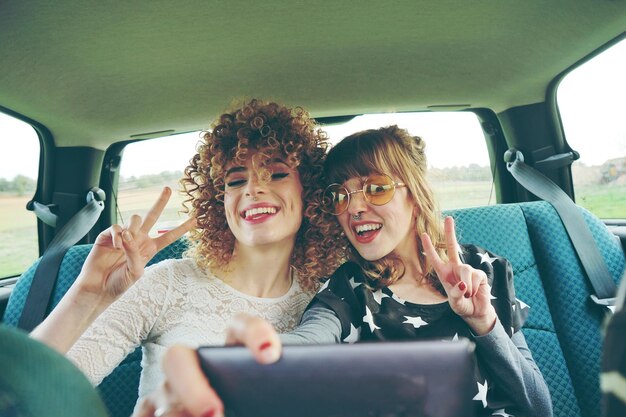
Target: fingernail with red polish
[(467, 295), (210, 413), (268, 355), (462, 286)]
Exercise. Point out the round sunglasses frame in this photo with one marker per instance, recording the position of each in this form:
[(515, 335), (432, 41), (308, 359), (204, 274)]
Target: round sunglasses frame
[(393, 183)]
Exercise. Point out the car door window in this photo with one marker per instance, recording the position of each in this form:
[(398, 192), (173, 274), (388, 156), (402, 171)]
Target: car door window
[(592, 109), (19, 162)]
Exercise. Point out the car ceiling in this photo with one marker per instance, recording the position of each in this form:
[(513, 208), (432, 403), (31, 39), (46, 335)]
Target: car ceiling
[(96, 72)]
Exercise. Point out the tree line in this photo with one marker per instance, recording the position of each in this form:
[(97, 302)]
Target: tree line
[(22, 185)]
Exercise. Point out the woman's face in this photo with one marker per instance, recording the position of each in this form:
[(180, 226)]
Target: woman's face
[(380, 230), (263, 213)]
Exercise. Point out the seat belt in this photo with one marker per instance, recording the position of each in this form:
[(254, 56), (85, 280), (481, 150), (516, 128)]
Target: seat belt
[(45, 277), (579, 233)]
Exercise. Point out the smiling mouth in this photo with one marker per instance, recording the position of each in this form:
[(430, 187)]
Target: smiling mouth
[(363, 229), (258, 212)]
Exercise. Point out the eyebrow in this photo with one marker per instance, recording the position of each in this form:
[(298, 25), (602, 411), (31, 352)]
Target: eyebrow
[(234, 170), (237, 169)]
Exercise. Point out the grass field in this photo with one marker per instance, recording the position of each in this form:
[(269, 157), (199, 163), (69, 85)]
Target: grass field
[(605, 201), (18, 236), (18, 232)]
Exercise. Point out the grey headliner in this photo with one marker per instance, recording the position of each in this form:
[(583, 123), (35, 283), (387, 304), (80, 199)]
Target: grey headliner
[(96, 72)]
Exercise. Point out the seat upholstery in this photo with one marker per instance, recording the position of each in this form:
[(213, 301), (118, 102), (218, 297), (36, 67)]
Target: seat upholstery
[(119, 389), (38, 381), (562, 330), (502, 230), (578, 320)]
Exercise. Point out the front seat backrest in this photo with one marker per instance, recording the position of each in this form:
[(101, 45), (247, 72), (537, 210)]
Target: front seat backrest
[(119, 390)]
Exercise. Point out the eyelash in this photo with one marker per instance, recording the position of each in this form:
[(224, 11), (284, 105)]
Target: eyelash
[(240, 182), (235, 183)]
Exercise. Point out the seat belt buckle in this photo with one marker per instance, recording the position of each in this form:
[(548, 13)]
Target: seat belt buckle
[(608, 303)]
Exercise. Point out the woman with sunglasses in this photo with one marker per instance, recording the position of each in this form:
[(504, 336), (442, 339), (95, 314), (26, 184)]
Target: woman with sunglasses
[(406, 278)]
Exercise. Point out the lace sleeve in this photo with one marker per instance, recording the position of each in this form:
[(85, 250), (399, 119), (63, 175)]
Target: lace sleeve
[(123, 326)]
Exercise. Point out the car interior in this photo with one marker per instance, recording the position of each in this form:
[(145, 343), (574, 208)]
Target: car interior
[(93, 79)]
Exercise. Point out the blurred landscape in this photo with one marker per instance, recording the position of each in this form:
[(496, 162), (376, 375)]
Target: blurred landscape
[(601, 189)]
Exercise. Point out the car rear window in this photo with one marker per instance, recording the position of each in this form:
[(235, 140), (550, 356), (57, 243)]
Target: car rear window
[(455, 146)]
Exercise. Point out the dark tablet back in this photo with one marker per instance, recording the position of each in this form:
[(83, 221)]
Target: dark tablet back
[(369, 379)]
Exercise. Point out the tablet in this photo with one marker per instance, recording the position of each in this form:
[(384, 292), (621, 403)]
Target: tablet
[(417, 378)]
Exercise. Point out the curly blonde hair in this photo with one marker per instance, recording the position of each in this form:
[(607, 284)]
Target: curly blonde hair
[(269, 130), (393, 151)]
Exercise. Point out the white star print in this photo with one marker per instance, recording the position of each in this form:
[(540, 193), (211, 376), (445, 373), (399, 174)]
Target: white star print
[(456, 337), (324, 286), (417, 322), (379, 295), (482, 393), (353, 283), (398, 299), (501, 413), (354, 334), (522, 304), (484, 257), (369, 319)]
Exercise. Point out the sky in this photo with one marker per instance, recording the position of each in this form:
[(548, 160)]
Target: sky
[(595, 91)]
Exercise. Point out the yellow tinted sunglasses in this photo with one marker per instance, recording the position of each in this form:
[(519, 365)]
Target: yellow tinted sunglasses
[(378, 189)]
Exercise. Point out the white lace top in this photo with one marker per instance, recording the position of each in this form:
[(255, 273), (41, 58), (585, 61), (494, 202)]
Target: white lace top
[(175, 302)]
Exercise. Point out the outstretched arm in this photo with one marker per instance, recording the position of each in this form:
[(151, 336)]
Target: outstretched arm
[(115, 262)]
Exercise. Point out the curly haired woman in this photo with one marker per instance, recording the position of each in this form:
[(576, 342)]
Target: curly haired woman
[(252, 193)]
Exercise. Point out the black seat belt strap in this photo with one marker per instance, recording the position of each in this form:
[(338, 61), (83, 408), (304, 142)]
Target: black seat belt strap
[(575, 225), (45, 277)]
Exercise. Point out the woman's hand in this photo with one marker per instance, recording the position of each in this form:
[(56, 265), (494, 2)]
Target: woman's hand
[(115, 262), (469, 293), (186, 391), (119, 255)]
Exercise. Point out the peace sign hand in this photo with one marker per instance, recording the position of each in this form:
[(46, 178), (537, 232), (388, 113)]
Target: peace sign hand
[(119, 255), (469, 293)]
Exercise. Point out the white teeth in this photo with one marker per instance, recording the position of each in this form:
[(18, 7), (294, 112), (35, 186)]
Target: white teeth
[(367, 227), (260, 210)]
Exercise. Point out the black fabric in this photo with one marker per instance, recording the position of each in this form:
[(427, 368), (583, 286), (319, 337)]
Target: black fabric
[(392, 318)]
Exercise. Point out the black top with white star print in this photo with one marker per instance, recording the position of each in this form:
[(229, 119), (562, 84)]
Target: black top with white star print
[(367, 314)]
